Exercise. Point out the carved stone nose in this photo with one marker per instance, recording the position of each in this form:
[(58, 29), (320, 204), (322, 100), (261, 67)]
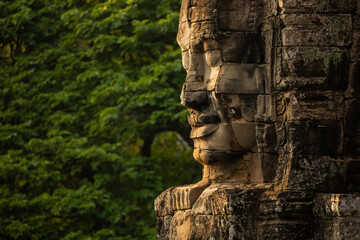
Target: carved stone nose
[(194, 98)]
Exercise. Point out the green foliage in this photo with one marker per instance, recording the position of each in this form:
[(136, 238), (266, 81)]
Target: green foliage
[(85, 88)]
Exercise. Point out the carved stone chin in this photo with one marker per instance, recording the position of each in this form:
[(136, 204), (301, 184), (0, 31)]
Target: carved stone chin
[(273, 94)]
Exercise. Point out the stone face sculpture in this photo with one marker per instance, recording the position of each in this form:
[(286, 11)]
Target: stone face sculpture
[(273, 92), (224, 60)]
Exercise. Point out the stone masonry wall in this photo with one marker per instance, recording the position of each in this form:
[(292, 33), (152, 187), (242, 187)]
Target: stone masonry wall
[(306, 112)]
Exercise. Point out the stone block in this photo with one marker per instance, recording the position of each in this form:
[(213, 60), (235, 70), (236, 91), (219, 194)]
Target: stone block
[(338, 216), (204, 3), (344, 229), (229, 199), (353, 90), (312, 67), (271, 8), (213, 59), (356, 18), (355, 55), (163, 226), (197, 65), (285, 230), (184, 197), (353, 176), (211, 44), (285, 215), (316, 173), (233, 21), (293, 205), (194, 100), (327, 205), (223, 227), (314, 137), (352, 128), (203, 31), (245, 134), (211, 227), (180, 226), (316, 30), (238, 170), (309, 105), (183, 36), (242, 47), (163, 204), (318, 6), (239, 15), (239, 106), (241, 78), (232, 5), (194, 86), (198, 14), (356, 40), (269, 165)]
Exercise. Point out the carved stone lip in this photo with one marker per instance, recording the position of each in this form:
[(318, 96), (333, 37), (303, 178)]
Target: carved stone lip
[(198, 132), (203, 119)]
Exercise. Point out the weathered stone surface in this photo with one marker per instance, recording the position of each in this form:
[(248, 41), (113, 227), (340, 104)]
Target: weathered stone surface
[(181, 224), (183, 198), (266, 137), (326, 68), (310, 105), (273, 92), (194, 99), (284, 230), (269, 165), (353, 175), (163, 226), (337, 229), (316, 30), (338, 216), (241, 78), (163, 205), (266, 108), (319, 6), (239, 15), (228, 199), (288, 205), (310, 137), (235, 45), (205, 3), (197, 14), (316, 173), (336, 205), (352, 130)]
